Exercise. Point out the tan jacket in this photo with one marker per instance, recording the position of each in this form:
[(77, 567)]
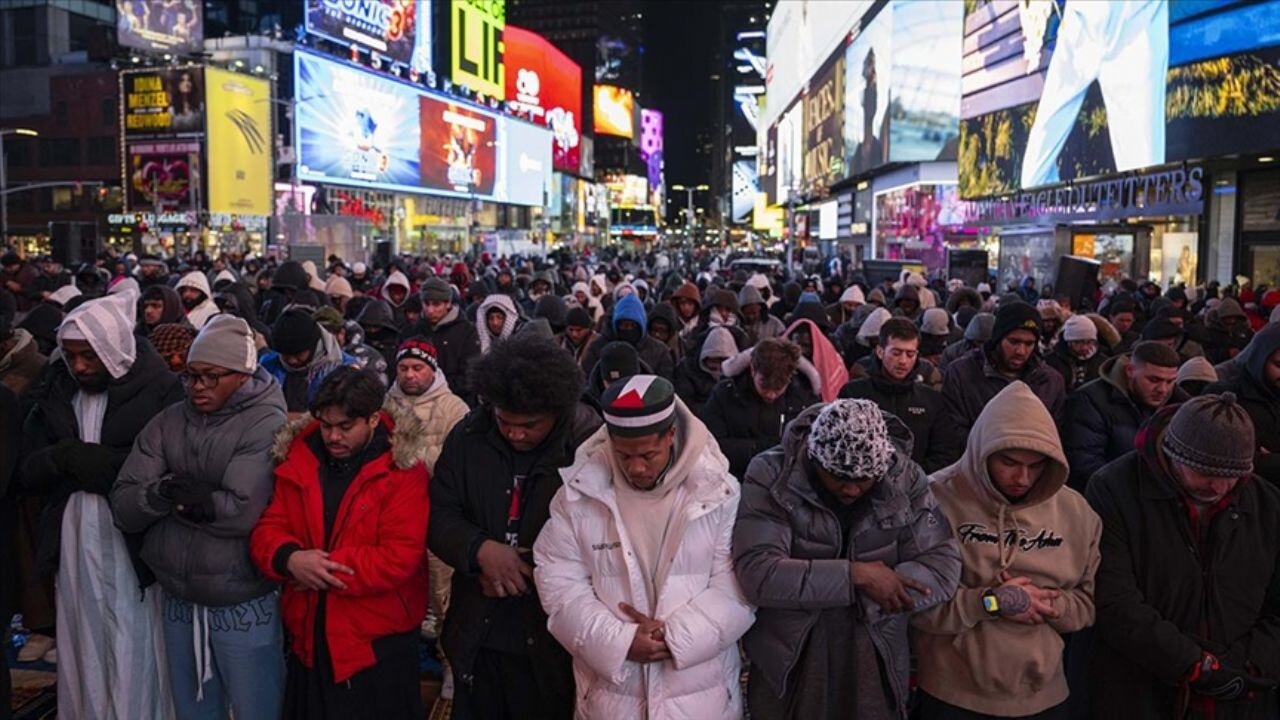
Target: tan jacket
[(997, 666)]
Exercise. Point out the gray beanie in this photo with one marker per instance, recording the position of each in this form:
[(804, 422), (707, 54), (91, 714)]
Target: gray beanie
[(935, 321), (1212, 434), (979, 328), (433, 288), (849, 439), (227, 342)]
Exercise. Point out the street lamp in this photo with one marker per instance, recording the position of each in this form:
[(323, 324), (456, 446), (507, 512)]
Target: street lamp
[(4, 178)]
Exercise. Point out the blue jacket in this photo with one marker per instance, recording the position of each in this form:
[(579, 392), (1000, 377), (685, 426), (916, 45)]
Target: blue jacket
[(271, 362)]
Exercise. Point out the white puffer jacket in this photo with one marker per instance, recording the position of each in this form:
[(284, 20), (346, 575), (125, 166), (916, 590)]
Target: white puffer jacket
[(586, 566)]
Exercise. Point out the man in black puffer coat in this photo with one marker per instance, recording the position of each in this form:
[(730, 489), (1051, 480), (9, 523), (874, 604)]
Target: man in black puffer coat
[(747, 412), (896, 386), (1258, 390)]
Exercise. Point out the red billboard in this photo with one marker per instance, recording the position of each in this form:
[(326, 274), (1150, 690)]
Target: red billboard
[(459, 147), (545, 86)]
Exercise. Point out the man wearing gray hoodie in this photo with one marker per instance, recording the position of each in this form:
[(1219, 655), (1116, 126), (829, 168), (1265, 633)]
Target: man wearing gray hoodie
[(198, 478), (756, 320)]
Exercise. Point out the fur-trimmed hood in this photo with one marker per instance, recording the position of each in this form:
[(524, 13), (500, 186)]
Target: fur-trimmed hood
[(406, 430)]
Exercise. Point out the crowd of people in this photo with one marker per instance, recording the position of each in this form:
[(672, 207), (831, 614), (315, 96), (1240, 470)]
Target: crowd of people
[(635, 486)]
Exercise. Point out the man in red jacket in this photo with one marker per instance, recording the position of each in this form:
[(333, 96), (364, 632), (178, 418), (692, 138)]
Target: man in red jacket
[(346, 533)]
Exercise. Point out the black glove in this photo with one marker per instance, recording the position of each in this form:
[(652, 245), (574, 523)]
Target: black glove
[(89, 467), (194, 502), (1213, 679)]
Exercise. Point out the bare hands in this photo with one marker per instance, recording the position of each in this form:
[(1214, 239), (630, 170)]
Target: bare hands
[(1041, 609), (886, 587), (649, 644), (502, 571), (313, 570)]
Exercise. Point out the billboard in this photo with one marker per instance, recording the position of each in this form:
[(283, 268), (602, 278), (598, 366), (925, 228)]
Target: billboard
[(366, 130), (162, 102), (614, 111), (868, 77), (240, 143), (170, 26), (790, 152), (476, 46), (823, 162), (651, 144), (162, 175), (800, 36), (545, 86), (399, 30), (924, 107), (1073, 89)]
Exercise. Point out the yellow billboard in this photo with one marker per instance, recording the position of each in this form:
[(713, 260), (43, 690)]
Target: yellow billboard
[(239, 143), (476, 47)]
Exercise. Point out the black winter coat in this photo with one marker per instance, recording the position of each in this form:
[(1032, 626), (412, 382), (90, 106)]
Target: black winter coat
[(744, 425), (470, 496), (970, 382), (935, 443), (132, 401), (1101, 421), (1161, 599), (456, 343), (1067, 364), (693, 384), (1260, 401), (660, 359)]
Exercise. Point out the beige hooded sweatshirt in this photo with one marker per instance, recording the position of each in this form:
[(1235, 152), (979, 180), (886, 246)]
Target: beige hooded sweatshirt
[(994, 665)]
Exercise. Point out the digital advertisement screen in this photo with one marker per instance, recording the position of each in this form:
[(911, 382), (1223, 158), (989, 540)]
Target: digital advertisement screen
[(161, 103), (651, 145), (1073, 89), (868, 73), (358, 128), (823, 162), (399, 30), (545, 86), (924, 123), (160, 26), (614, 111), (476, 30), (162, 175), (240, 158)]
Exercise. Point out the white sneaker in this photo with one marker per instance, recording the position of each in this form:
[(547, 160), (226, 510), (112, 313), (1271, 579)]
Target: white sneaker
[(36, 647)]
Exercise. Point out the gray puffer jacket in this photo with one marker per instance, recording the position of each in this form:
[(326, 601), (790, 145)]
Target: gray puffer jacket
[(787, 552), (230, 451)]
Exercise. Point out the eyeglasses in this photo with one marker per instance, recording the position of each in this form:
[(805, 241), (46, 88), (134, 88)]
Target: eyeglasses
[(203, 380)]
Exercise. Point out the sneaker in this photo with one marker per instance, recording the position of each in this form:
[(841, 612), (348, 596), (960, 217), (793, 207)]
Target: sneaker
[(36, 647)]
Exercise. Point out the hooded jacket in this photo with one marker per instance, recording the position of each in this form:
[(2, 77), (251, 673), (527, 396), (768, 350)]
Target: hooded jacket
[(586, 566), (207, 308), (767, 325), (1260, 400), (740, 420), (457, 343), (1161, 600), (437, 409), (227, 452), (917, 404), (653, 353), (826, 359), (510, 316), (970, 382), (996, 666), (326, 357), (667, 313), (693, 381), (1070, 367), (171, 312), (380, 532), (787, 552), (22, 364), (1100, 421)]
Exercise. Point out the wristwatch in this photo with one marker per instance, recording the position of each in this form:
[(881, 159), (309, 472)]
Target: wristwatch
[(990, 603)]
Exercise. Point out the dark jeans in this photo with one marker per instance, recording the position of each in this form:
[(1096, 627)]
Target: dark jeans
[(503, 687), (931, 708)]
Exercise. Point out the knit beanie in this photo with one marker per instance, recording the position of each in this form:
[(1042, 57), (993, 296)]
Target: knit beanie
[(435, 289), (1212, 434), (935, 322), (172, 338), (1079, 327), (329, 318), (578, 317), (227, 342), (618, 360), (1197, 368), (871, 326), (295, 331), (1161, 329), (979, 328), (849, 439), (417, 348), (640, 405), (1015, 316)]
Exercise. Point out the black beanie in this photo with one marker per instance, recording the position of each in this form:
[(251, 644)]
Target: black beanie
[(578, 318), (295, 331), (1015, 316), (1161, 328), (618, 360)]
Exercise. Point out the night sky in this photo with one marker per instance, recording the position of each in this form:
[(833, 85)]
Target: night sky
[(677, 78)]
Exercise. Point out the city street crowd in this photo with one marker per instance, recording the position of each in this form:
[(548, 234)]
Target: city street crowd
[(635, 486)]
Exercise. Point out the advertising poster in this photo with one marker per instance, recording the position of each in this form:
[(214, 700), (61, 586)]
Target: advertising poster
[(924, 109), (355, 127), (240, 158), (651, 145), (1081, 88), (475, 45), (162, 176), (745, 187), (161, 103), (545, 86), (160, 25), (790, 153), (614, 111), (459, 148), (524, 154), (868, 68), (399, 30), (823, 162)]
